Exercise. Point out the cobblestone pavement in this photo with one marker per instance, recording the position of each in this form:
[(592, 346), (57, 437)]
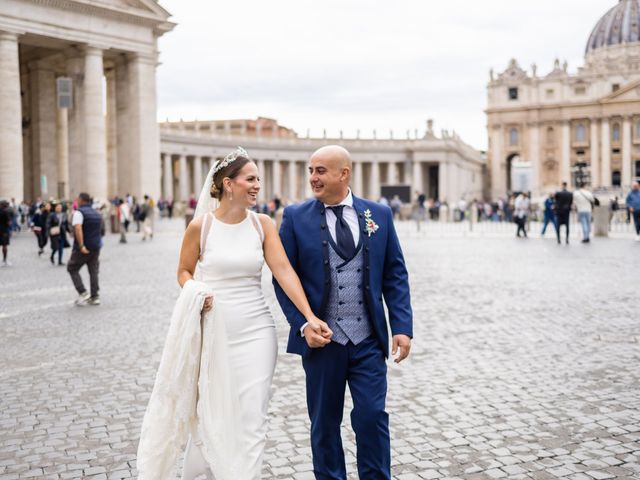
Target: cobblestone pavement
[(525, 363)]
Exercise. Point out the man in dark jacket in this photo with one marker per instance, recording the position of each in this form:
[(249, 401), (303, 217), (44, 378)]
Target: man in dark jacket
[(88, 229), (563, 202)]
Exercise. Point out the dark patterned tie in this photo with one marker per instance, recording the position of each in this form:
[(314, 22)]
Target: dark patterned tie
[(344, 237)]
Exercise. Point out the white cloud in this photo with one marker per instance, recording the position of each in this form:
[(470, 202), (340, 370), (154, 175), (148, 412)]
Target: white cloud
[(359, 64)]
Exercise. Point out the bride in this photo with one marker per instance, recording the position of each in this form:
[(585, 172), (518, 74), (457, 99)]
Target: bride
[(214, 379)]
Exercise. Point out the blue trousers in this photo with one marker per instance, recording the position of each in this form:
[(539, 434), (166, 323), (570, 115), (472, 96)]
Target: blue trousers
[(549, 218), (328, 371)]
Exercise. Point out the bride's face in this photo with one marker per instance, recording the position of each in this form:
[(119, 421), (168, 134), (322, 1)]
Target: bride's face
[(246, 185)]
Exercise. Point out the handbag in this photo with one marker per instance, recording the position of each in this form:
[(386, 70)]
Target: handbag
[(53, 231)]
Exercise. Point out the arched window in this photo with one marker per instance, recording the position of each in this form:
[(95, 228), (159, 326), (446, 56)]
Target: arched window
[(513, 136), (550, 136), (581, 133), (615, 132)]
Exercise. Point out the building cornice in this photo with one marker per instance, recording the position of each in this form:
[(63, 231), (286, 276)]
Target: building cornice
[(158, 20)]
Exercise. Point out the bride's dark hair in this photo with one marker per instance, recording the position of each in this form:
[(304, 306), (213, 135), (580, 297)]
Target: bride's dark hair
[(232, 170)]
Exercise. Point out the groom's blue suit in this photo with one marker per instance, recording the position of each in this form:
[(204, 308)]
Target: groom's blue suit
[(377, 270)]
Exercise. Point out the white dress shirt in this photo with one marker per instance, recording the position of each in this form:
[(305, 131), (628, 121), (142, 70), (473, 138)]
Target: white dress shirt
[(350, 216)]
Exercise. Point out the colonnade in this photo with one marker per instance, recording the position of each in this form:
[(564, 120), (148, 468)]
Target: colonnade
[(183, 175), (48, 149)]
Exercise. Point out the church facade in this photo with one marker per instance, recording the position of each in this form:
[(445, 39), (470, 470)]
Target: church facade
[(582, 128)]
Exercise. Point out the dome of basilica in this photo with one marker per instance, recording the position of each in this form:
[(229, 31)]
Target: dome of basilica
[(620, 25)]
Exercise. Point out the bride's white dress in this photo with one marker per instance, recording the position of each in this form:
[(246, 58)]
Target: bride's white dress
[(239, 347)]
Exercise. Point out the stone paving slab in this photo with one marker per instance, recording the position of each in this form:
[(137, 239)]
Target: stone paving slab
[(524, 365)]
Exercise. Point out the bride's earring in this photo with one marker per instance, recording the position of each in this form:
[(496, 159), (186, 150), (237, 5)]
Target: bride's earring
[(230, 195)]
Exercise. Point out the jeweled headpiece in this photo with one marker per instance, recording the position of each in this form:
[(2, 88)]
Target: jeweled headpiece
[(238, 152)]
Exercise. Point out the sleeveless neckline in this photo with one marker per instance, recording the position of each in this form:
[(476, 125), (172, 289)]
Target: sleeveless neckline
[(231, 224)]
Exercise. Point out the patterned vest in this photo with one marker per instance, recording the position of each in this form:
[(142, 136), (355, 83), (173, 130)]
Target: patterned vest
[(346, 312)]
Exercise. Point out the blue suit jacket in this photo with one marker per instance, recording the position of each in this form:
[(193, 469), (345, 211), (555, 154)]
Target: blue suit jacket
[(305, 237)]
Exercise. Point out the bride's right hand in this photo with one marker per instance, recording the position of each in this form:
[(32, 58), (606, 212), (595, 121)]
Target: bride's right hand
[(317, 333), (208, 304)]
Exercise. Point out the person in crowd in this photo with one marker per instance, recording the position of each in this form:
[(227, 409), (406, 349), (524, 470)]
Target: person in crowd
[(170, 207), (57, 228), (633, 204), (15, 225), (6, 219), (88, 226), (136, 210), (521, 210), (584, 202), (125, 219), (462, 208), (192, 201), (563, 202), (396, 205), (549, 215), (146, 217), (39, 225)]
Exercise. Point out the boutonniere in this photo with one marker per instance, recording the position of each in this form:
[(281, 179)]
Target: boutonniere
[(370, 226)]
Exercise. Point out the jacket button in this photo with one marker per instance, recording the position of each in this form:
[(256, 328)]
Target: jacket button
[(367, 267), (364, 231), (359, 318), (323, 226), (367, 287), (359, 270), (322, 212), (326, 262), (366, 249), (360, 215), (359, 302), (324, 242)]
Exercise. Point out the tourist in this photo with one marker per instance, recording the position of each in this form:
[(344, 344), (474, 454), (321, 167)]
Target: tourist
[(170, 207), (125, 218), (88, 226), (57, 228), (6, 218), (633, 204), (396, 206), (521, 211), (39, 225), (146, 217), (549, 214), (584, 202), (563, 202)]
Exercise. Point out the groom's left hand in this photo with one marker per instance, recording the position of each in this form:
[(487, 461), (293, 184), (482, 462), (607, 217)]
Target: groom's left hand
[(402, 343)]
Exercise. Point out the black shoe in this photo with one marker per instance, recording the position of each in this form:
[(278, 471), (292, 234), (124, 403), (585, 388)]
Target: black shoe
[(61, 263), (586, 240), (52, 261), (40, 252)]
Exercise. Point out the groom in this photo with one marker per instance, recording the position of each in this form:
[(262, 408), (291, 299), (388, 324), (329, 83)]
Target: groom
[(347, 255)]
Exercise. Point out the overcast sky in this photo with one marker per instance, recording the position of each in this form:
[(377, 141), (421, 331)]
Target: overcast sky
[(359, 64)]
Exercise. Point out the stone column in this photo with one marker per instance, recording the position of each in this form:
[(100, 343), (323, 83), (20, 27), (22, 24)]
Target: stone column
[(95, 147), (498, 182), (62, 136), (42, 86), (626, 153), (183, 179), (534, 157), (126, 174), (145, 134), (112, 136), (416, 177), (374, 182), (595, 154), (197, 174), (605, 143), (293, 182), (167, 185), (11, 168), (443, 184), (356, 179), (565, 155), (392, 173), (276, 171), (262, 174)]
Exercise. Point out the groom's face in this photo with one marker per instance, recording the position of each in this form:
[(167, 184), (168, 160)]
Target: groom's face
[(328, 178)]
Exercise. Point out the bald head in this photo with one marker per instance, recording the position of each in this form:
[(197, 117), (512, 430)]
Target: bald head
[(329, 173)]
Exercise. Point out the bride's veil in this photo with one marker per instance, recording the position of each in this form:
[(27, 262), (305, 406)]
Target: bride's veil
[(206, 203)]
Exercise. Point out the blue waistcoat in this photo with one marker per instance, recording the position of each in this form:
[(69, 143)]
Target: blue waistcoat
[(91, 229)]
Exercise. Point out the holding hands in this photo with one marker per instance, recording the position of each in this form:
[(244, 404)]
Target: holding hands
[(208, 304), (317, 333)]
